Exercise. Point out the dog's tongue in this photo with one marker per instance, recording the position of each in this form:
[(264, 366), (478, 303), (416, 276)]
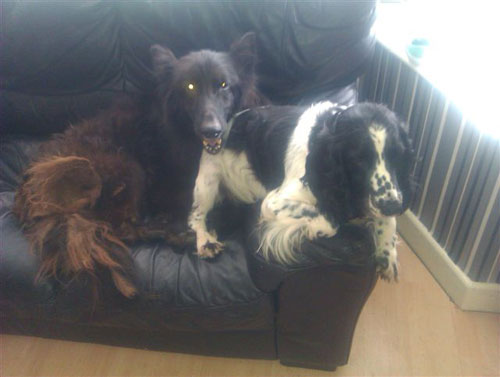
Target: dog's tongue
[(212, 142)]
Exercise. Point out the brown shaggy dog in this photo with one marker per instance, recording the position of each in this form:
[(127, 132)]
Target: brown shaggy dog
[(91, 187), (81, 197)]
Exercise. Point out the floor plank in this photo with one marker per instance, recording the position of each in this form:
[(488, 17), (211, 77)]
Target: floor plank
[(406, 329)]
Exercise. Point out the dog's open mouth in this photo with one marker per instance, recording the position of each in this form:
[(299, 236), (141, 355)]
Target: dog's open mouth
[(212, 146)]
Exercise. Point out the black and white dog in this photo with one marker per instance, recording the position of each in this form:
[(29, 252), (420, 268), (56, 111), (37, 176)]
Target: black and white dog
[(315, 168)]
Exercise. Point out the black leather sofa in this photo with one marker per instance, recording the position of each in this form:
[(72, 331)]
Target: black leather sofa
[(62, 61)]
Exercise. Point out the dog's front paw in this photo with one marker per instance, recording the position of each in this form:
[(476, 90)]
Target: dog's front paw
[(208, 245), (387, 265), (210, 249)]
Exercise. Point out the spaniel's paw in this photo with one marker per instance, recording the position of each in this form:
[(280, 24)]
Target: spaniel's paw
[(387, 265)]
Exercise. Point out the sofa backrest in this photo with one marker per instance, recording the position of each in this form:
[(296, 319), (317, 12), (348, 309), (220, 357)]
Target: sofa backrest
[(62, 60)]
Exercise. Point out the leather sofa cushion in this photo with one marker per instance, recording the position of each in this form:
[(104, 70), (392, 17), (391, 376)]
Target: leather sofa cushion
[(39, 115), (61, 61), (57, 48)]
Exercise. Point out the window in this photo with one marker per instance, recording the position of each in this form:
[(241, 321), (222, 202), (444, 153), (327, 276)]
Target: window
[(463, 58)]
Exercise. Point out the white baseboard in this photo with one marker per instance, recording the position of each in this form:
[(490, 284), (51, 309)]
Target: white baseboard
[(467, 294)]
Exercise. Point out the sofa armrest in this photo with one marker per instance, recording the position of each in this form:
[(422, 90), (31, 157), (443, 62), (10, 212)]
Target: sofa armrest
[(318, 310), (352, 248), (319, 302), (319, 299)]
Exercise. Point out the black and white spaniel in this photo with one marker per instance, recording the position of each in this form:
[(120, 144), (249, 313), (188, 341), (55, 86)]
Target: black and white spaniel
[(315, 168)]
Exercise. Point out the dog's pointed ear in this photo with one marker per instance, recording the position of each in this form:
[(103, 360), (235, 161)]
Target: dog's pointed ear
[(163, 60), (244, 53)]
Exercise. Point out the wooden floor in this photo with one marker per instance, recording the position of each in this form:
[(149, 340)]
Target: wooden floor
[(406, 329)]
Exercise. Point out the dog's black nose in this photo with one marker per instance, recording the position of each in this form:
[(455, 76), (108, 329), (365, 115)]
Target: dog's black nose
[(211, 133), (390, 207)]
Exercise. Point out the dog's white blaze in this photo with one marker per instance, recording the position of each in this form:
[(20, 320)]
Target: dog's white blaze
[(283, 226), (379, 135)]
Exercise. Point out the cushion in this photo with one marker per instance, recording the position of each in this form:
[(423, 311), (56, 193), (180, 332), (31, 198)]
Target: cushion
[(86, 50)]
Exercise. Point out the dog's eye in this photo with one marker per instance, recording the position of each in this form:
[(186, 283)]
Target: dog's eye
[(190, 86), (223, 85)]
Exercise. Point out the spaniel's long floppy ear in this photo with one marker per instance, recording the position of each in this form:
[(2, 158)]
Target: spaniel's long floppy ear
[(404, 167), (244, 53), (326, 175), (163, 60)]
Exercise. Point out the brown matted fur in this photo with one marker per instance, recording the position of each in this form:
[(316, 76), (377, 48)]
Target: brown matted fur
[(82, 196)]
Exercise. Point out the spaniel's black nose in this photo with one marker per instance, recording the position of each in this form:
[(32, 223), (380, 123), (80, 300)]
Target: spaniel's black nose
[(390, 207)]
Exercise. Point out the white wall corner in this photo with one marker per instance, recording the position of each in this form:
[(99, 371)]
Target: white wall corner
[(464, 292)]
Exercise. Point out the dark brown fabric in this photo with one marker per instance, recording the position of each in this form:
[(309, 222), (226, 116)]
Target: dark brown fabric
[(318, 311), (254, 344)]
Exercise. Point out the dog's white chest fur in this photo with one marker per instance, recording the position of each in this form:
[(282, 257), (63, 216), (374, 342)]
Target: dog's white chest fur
[(231, 170), (237, 176)]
